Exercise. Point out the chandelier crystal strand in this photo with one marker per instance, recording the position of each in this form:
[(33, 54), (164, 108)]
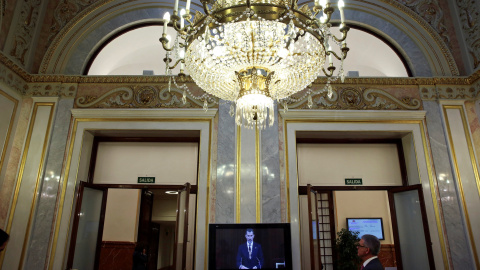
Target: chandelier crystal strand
[(252, 52)]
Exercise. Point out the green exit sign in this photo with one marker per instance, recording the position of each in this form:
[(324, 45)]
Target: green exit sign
[(353, 181), (146, 180)]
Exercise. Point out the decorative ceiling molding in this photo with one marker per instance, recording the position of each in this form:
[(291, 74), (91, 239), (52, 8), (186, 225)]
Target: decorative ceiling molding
[(51, 90), (432, 13), (424, 22), (140, 96), (358, 98), (17, 78), (64, 13), (20, 45), (470, 20)]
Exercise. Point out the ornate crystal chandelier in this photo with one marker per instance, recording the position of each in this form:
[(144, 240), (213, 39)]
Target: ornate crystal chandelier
[(252, 52)]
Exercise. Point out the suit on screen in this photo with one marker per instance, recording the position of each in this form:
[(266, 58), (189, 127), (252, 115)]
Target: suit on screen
[(256, 257)]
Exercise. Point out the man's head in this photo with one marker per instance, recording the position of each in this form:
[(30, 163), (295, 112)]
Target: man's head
[(368, 246), (249, 235)]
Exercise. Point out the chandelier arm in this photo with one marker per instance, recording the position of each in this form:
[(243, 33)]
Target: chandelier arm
[(344, 31), (328, 10), (176, 63), (164, 40), (335, 54), (331, 69), (205, 7), (317, 10)]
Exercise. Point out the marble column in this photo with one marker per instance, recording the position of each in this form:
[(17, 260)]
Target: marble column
[(455, 228), (37, 251), (270, 173), (226, 166)]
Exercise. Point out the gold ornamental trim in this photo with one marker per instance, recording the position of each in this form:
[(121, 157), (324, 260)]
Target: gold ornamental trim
[(358, 98), (145, 96)]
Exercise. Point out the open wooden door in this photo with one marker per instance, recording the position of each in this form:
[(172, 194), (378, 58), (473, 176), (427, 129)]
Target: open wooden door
[(315, 253), (413, 247), (144, 236), (181, 231), (87, 230)]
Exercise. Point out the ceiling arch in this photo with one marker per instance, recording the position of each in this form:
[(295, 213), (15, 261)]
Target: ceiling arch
[(425, 51)]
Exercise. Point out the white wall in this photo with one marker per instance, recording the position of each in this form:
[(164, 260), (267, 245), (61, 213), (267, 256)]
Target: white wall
[(363, 204), (124, 162), (330, 164)]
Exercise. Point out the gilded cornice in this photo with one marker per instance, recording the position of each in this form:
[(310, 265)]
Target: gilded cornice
[(27, 84), (141, 96), (14, 68), (358, 98), (12, 79), (58, 89)]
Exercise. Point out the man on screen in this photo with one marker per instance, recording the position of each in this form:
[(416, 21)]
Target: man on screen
[(249, 255)]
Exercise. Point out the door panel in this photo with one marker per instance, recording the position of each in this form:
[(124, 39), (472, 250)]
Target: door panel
[(412, 237), (314, 229), (153, 246), (88, 227), (179, 256)]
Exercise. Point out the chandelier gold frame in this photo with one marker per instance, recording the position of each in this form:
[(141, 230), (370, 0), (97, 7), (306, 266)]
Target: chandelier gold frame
[(300, 24)]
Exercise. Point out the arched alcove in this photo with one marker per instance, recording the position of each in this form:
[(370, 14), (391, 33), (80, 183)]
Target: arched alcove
[(423, 49), (138, 49)]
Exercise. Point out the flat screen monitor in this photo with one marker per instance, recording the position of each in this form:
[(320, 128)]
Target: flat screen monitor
[(227, 246), (372, 226)]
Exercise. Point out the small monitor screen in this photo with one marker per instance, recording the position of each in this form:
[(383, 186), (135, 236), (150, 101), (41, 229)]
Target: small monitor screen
[(269, 248), (373, 226)]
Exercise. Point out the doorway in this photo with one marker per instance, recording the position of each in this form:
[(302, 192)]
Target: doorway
[(112, 222), (400, 212)]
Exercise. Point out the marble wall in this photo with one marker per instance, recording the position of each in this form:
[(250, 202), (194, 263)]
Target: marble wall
[(452, 214), (226, 167), (47, 193)]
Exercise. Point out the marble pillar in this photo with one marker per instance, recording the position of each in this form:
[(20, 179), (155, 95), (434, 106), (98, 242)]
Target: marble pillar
[(270, 173), (37, 254), (226, 166), (455, 228)]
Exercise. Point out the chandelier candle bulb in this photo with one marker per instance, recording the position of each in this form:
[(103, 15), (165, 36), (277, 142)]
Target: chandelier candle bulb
[(187, 7), (169, 38), (175, 9), (166, 20), (341, 5), (182, 20), (330, 55)]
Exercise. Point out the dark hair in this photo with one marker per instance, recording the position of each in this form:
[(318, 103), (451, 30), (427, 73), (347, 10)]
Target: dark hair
[(3, 237), (371, 242), (249, 230)]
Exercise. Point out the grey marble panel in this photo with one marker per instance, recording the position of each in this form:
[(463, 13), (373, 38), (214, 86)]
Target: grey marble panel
[(226, 166), (37, 250), (451, 204), (270, 173), (248, 177)]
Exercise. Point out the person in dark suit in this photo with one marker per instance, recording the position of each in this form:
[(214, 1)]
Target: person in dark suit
[(3, 239), (250, 254), (367, 249)]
